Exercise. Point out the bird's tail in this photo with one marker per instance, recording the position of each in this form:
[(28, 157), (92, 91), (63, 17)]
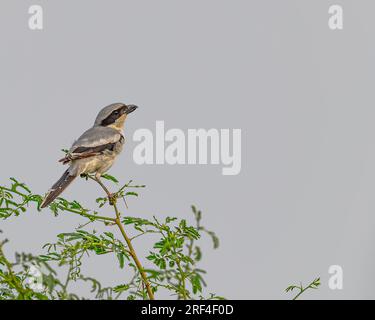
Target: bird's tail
[(58, 188)]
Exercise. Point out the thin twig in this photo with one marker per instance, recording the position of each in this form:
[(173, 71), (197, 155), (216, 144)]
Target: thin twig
[(127, 239), (87, 215)]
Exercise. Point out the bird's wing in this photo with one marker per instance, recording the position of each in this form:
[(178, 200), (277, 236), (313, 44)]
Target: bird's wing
[(93, 142)]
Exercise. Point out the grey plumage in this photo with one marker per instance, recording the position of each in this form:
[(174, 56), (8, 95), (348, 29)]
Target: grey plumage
[(95, 150)]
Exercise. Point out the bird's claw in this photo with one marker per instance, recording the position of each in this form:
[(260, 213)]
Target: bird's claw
[(112, 199)]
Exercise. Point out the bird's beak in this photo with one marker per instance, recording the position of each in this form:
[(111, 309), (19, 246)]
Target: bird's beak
[(130, 108)]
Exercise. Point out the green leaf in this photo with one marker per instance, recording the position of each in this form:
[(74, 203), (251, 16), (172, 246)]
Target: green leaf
[(197, 254), (109, 235), (120, 257), (110, 178), (196, 283), (121, 288), (151, 257), (131, 193)]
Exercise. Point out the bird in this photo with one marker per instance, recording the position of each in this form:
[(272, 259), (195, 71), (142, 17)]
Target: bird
[(95, 151)]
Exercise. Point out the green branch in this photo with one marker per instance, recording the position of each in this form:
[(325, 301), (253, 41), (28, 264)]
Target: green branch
[(313, 285)]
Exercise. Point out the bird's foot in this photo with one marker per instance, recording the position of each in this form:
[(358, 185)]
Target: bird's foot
[(112, 197)]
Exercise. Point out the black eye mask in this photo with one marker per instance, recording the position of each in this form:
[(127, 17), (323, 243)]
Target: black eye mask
[(112, 118)]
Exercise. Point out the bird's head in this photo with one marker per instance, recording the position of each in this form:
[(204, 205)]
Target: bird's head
[(114, 115)]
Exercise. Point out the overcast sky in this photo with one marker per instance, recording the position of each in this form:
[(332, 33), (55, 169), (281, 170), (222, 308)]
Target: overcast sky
[(302, 95)]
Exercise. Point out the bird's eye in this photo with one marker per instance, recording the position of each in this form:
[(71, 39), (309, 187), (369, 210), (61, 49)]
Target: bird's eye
[(116, 112)]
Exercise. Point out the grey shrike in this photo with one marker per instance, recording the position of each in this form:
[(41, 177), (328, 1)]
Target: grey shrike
[(96, 150)]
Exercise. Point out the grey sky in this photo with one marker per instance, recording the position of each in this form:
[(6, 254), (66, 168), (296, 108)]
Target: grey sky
[(301, 93)]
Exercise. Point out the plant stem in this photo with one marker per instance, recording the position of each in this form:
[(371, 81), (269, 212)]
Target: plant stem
[(14, 191), (87, 215), (127, 239), (136, 260), (184, 296), (65, 285), (12, 279), (302, 290)]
